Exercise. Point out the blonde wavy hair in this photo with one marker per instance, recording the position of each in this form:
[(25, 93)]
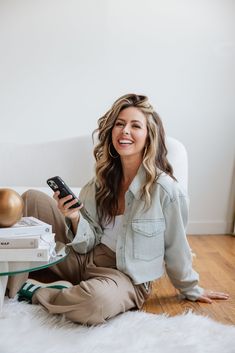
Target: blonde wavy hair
[(108, 164)]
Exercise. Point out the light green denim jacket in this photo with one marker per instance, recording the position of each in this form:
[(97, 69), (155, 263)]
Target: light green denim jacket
[(151, 240)]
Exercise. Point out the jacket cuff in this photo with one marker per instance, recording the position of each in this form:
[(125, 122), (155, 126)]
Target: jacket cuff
[(82, 241), (193, 294)]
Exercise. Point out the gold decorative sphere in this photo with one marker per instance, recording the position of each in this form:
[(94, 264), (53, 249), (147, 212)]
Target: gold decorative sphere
[(11, 207)]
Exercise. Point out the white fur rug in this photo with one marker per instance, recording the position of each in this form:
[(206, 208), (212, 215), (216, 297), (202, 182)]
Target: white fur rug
[(26, 328)]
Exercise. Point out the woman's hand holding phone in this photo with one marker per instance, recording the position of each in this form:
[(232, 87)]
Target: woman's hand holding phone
[(64, 205), (67, 202)]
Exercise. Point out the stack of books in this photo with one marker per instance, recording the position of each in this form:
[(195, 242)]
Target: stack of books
[(28, 240)]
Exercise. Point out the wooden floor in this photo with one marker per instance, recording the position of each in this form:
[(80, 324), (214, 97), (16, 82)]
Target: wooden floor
[(214, 260)]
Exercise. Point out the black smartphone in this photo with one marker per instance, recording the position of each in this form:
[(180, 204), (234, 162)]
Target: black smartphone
[(58, 184)]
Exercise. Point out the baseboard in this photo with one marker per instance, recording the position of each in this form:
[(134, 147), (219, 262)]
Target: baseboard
[(213, 227)]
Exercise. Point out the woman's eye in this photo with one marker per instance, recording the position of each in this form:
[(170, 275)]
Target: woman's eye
[(136, 126), (118, 123)]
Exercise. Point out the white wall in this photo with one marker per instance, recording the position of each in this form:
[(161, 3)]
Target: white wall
[(63, 62)]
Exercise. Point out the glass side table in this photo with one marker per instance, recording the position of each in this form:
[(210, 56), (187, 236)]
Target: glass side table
[(12, 268)]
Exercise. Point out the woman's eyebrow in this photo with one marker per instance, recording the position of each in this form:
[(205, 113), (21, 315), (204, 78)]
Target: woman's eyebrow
[(136, 121), (132, 121)]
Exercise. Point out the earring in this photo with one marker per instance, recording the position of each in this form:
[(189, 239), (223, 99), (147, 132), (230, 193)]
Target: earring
[(111, 153)]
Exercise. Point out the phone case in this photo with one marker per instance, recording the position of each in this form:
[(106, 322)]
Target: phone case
[(57, 184)]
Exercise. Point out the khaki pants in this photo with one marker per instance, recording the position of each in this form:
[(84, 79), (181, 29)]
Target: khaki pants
[(99, 291)]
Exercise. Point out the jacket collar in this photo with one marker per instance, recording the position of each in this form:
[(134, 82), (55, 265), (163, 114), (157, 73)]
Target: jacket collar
[(137, 183)]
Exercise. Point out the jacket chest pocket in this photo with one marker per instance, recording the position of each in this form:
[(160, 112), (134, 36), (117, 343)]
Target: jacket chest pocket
[(148, 238)]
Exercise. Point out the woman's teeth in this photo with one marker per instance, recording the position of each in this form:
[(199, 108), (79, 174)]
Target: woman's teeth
[(125, 142)]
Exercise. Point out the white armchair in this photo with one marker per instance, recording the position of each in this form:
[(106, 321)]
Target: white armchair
[(24, 166)]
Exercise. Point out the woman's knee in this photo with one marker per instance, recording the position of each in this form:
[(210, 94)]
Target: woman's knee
[(33, 194), (32, 200)]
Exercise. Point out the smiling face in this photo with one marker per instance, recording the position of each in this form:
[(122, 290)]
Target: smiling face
[(129, 133)]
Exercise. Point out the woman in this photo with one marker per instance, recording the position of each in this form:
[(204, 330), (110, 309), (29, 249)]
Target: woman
[(136, 225)]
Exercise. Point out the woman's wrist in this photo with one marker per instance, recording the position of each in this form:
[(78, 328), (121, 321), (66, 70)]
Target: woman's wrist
[(74, 223)]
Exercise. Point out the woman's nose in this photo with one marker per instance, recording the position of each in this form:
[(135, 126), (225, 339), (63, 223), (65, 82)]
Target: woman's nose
[(126, 130)]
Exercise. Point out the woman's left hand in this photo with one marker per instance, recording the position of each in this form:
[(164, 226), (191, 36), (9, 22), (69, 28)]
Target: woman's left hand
[(208, 295)]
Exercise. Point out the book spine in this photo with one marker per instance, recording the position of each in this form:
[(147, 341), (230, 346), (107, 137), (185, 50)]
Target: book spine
[(40, 254), (36, 230), (27, 225), (20, 243)]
